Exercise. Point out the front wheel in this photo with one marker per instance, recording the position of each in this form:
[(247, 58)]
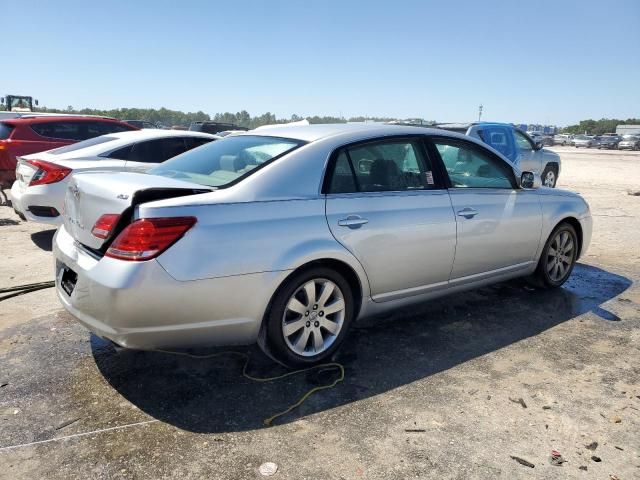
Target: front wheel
[(309, 317), (549, 176), (558, 257)]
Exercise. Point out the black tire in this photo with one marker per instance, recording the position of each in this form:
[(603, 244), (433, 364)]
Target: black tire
[(276, 345), (542, 276), (546, 170)]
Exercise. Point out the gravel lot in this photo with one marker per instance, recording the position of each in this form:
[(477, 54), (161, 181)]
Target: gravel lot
[(453, 389)]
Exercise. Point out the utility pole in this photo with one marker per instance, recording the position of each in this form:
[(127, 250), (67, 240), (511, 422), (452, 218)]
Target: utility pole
[(479, 112)]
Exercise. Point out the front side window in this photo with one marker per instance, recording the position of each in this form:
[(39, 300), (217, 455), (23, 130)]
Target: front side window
[(95, 129), (221, 163), (468, 166), (522, 141), (391, 165)]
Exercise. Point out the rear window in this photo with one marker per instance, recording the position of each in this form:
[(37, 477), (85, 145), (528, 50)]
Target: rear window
[(222, 162), (84, 144), (5, 131)]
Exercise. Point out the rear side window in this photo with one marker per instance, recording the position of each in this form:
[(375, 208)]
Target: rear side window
[(60, 130), (5, 130), (157, 151), (390, 165), (69, 130)]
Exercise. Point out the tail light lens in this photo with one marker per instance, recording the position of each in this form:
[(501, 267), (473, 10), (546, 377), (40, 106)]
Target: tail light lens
[(47, 172), (147, 238), (105, 224)]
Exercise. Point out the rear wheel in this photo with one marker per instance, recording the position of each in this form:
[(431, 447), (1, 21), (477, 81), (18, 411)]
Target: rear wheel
[(558, 257), (309, 317), (550, 176)]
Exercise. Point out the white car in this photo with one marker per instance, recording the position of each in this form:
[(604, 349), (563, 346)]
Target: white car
[(38, 193)]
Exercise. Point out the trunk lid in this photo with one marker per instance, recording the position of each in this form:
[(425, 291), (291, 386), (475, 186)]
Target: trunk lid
[(90, 195)]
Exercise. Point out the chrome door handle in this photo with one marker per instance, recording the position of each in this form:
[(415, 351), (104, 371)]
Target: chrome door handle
[(353, 221), (467, 212)]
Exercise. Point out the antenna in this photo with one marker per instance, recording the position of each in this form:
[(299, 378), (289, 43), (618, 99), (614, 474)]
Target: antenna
[(480, 112)]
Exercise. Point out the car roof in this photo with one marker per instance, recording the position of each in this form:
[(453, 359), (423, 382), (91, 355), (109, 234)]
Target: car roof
[(26, 120), (119, 140), (312, 133), (151, 133)]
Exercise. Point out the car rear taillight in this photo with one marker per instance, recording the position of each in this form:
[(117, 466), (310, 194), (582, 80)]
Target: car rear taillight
[(105, 225), (147, 238), (47, 172)]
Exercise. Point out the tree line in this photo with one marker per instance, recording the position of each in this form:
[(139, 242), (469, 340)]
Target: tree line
[(598, 127), (169, 118)]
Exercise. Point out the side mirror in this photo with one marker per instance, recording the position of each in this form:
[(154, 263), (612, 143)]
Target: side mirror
[(36, 103), (2, 100), (530, 180), (539, 144)]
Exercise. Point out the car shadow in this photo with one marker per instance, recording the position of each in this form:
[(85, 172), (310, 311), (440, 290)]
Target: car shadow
[(380, 354), (44, 239), (8, 221)]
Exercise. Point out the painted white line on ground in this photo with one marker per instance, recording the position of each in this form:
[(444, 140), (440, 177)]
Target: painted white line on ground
[(76, 435)]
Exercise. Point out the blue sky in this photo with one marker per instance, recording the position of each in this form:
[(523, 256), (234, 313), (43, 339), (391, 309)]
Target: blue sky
[(526, 61)]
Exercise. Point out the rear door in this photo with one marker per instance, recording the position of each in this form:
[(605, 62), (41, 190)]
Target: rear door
[(385, 205), (499, 224)]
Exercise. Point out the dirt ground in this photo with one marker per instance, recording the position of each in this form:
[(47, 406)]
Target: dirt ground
[(453, 389)]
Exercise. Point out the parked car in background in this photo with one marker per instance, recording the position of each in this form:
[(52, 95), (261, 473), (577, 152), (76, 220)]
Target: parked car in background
[(608, 142), (214, 127), (562, 139), (37, 133), (38, 192), (286, 236), (141, 123), (585, 141), (629, 142), (545, 140), (515, 145)]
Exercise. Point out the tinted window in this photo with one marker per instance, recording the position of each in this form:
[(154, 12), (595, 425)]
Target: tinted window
[(60, 130), (222, 162), (193, 142), (393, 165), (469, 166), (5, 131), (157, 151), (121, 153), (522, 141), (342, 179), (95, 129)]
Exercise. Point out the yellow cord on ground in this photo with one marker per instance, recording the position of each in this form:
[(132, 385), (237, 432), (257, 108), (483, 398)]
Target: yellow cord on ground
[(269, 421)]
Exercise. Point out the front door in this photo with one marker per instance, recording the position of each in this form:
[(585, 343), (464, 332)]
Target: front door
[(499, 224), (385, 205)]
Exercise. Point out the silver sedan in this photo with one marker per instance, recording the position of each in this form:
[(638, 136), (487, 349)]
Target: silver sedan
[(286, 236)]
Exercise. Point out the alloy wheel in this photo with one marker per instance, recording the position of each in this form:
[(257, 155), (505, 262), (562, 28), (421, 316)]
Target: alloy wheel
[(550, 179), (560, 256), (313, 317)]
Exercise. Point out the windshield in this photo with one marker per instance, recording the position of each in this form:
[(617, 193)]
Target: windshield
[(582, 137), (222, 162), (84, 144)]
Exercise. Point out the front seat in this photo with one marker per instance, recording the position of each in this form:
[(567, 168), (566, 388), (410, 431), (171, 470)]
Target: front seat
[(385, 175)]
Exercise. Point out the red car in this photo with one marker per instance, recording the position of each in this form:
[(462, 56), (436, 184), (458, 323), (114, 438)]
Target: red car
[(32, 134)]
